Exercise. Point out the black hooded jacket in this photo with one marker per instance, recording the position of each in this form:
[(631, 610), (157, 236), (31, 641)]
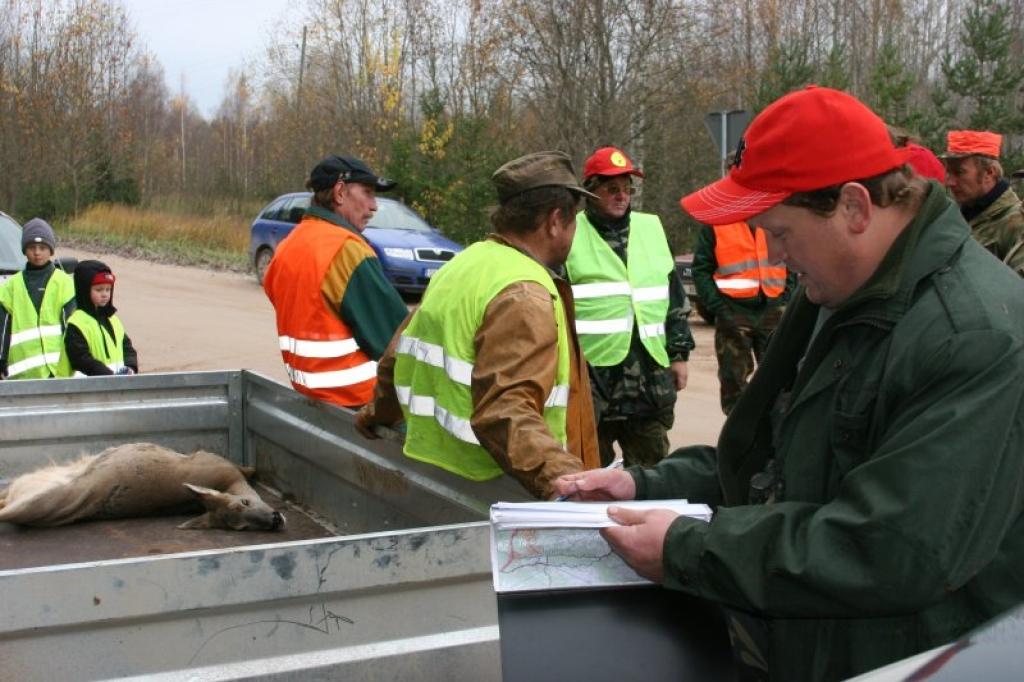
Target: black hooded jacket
[(75, 344)]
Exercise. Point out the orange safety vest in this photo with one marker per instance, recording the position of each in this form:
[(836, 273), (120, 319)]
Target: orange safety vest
[(320, 354), (743, 265)]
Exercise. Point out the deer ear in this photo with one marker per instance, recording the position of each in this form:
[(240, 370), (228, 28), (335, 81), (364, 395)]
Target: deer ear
[(201, 522), (248, 472), (208, 497)]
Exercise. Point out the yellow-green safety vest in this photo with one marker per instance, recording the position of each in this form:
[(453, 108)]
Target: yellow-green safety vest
[(37, 338), (612, 297), (106, 349), (435, 355)]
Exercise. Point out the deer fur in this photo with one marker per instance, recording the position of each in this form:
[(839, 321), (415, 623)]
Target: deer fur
[(138, 479)]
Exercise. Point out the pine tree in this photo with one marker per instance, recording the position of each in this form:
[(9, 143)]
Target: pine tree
[(835, 71), (986, 76), (891, 86), (788, 68)]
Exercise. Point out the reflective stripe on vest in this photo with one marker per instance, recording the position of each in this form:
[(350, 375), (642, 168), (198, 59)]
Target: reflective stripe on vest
[(105, 348), (612, 297), (744, 269), (37, 338), (435, 357), (321, 356)]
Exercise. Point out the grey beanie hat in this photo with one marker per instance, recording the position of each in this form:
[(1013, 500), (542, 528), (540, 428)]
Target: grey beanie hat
[(38, 231)]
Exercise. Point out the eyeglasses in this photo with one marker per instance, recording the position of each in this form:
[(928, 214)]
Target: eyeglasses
[(612, 188)]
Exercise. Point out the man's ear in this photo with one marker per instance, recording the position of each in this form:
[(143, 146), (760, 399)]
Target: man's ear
[(855, 204), (338, 192)]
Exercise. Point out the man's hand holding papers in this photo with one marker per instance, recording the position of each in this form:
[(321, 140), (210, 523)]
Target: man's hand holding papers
[(640, 537), (556, 545)]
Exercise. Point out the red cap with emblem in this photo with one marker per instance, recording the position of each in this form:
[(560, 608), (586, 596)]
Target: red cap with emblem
[(609, 161)]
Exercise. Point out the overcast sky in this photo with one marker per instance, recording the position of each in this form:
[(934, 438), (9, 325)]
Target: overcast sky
[(203, 39)]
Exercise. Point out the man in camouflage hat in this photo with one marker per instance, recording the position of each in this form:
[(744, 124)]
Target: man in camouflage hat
[(487, 372), (630, 313), (974, 177)]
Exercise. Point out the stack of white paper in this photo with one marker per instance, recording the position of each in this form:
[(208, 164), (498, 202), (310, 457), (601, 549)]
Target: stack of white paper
[(508, 515)]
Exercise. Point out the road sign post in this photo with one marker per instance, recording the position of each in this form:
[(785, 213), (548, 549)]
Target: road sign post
[(726, 128)]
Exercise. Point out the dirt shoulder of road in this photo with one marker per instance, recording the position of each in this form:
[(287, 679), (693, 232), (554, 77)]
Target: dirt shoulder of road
[(184, 318)]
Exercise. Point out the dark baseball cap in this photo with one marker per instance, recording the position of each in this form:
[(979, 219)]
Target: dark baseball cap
[(540, 169), (346, 169)]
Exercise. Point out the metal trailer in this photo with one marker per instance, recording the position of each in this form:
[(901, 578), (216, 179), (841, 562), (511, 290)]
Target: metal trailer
[(400, 587)]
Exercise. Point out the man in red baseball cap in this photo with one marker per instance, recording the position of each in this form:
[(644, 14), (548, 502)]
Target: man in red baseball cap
[(989, 205), (630, 313), (867, 483)]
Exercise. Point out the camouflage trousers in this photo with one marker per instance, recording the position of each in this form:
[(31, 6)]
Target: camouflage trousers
[(740, 341), (642, 439)]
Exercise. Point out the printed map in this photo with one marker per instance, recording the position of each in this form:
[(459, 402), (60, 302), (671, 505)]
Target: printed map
[(543, 559)]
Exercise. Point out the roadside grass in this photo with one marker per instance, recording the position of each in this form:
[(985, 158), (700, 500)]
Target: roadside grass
[(214, 240)]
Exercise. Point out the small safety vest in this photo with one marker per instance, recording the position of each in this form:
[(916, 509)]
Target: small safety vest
[(612, 296), (105, 348), (435, 355), (743, 265), (320, 354), (37, 338)]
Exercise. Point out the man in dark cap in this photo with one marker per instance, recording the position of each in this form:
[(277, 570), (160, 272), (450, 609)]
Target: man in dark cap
[(34, 308), (487, 371), (336, 310)]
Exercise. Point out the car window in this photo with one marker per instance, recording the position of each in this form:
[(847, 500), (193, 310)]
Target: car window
[(397, 216), (273, 210), (294, 208), (11, 257)]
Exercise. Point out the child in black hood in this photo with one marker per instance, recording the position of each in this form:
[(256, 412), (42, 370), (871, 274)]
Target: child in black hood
[(94, 342)]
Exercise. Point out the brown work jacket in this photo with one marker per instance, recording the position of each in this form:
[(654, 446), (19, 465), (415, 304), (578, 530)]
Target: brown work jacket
[(508, 399)]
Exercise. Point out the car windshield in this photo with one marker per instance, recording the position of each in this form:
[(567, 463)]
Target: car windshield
[(397, 216), (11, 257)]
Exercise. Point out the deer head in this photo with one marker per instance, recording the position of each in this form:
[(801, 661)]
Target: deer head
[(233, 512)]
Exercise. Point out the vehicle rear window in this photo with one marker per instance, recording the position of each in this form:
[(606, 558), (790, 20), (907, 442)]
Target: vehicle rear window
[(397, 216)]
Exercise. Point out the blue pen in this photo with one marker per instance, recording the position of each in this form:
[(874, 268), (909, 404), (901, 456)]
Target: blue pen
[(616, 464)]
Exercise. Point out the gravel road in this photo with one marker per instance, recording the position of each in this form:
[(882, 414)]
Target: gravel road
[(184, 319)]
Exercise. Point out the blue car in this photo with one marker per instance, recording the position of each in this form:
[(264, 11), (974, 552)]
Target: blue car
[(409, 249)]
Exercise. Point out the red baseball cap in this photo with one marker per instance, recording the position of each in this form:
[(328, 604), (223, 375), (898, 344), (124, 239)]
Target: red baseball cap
[(925, 163), (960, 143), (609, 161), (806, 140)]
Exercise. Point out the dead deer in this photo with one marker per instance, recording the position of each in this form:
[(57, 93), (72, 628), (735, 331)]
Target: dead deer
[(139, 479)]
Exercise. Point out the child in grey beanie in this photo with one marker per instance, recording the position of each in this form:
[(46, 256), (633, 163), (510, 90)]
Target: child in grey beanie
[(38, 231)]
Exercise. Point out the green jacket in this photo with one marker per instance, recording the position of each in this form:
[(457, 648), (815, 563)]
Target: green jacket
[(897, 524), (1000, 229)]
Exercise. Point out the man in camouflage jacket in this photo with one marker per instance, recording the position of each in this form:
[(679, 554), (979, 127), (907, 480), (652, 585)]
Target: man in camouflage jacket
[(974, 177), (634, 400)]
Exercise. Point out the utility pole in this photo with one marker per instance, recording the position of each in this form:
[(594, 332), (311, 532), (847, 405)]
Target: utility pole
[(302, 66), (182, 103)]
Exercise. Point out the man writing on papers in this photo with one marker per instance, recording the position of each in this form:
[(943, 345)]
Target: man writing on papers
[(867, 483)]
